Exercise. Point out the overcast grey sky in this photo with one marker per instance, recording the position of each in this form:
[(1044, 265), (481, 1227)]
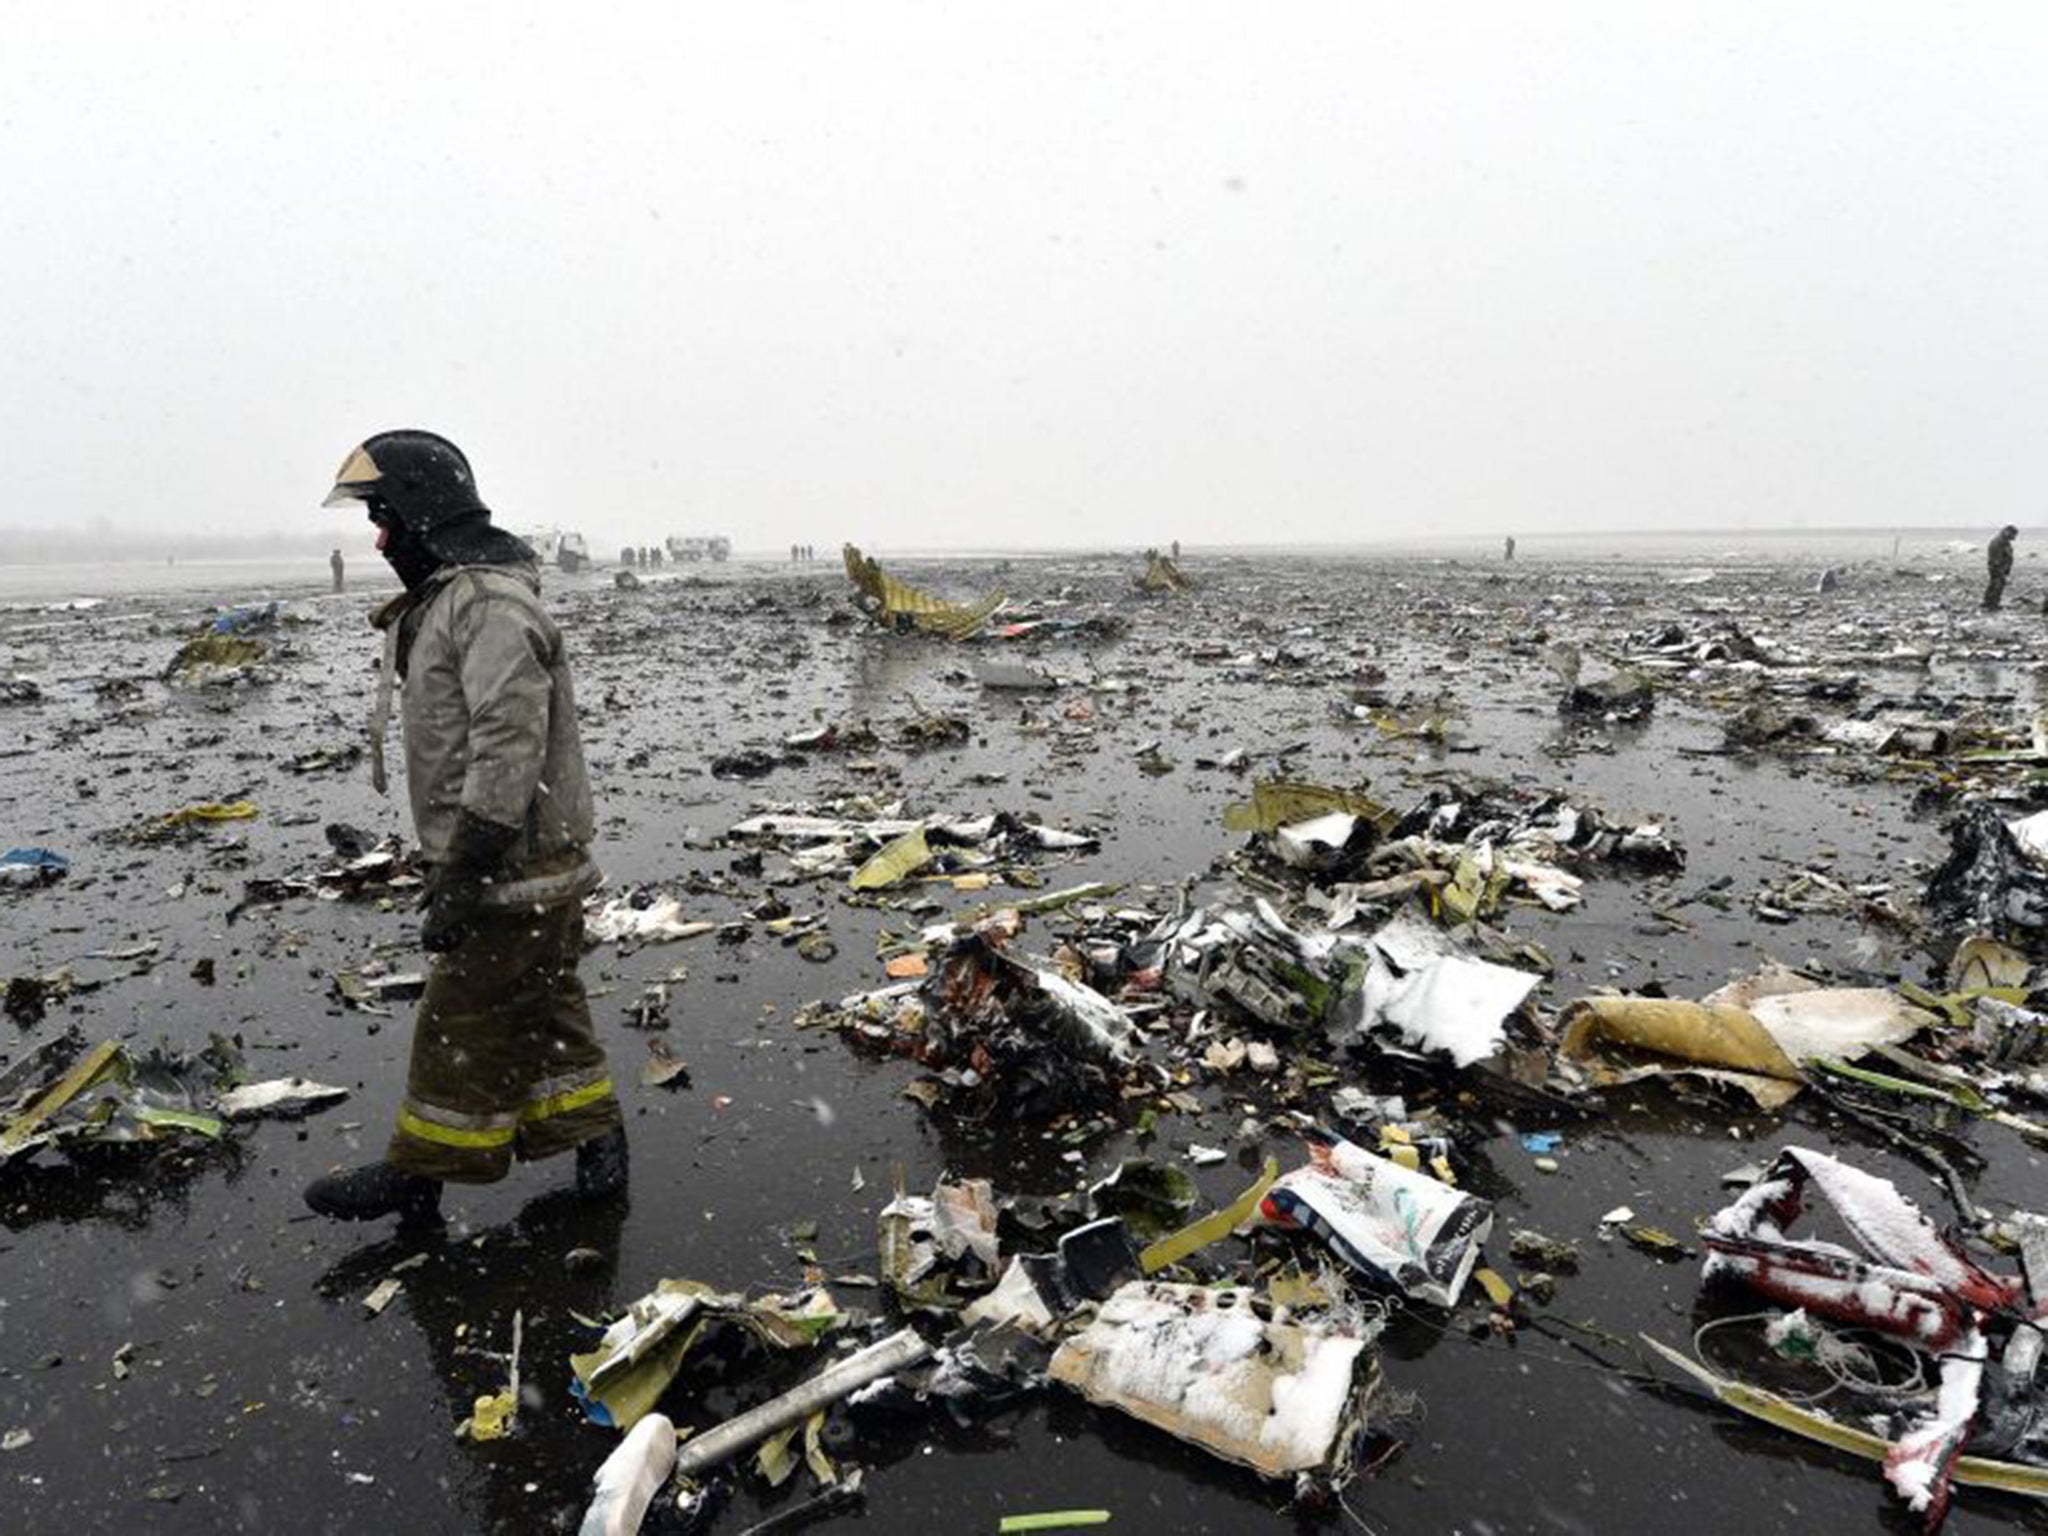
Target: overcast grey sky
[(1032, 274)]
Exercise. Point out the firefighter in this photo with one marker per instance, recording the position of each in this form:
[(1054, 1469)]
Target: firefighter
[(505, 1061)]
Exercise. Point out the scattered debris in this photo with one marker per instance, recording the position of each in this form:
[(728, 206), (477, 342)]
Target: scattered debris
[(1994, 881), (1418, 923), (982, 1019), (1624, 696), (1917, 1288), (66, 1094)]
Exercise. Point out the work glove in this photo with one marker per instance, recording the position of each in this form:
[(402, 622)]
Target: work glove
[(455, 892)]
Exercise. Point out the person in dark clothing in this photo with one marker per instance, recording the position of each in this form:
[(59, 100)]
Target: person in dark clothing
[(1998, 556), (334, 564), (505, 1060)]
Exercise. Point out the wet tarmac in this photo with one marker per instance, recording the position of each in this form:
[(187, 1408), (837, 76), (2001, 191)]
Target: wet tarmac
[(190, 1351)]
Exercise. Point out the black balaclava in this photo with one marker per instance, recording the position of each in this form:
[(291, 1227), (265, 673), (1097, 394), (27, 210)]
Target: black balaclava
[(403, 550), (422, 497)]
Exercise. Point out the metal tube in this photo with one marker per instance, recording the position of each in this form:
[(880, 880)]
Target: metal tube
[(702, 1452)]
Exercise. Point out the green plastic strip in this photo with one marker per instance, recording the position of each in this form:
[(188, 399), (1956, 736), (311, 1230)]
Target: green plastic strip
[(1176, 1246), (1054, 1520), (1974, 1471)]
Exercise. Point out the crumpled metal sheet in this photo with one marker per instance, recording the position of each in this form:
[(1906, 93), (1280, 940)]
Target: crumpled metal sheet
[(1756, 1034), (620, 1381), (1161, 576), (927, 1243), (65, 1092), (1916, 1285), (1989, 883), (1276, 803), (1213, 1368), (897, 603), (1419, 981)]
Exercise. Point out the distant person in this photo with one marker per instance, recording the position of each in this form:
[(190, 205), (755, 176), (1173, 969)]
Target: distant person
[(1176, 551), (1998, 557), (654, 557), (1509, 554), (334, 564), (626, 556), (505, 1061)]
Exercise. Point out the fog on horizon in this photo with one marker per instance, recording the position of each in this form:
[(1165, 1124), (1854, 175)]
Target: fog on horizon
[(994, 277)]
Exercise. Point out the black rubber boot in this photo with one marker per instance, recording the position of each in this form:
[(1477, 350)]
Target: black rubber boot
[(377, 1189), (601, 1165)]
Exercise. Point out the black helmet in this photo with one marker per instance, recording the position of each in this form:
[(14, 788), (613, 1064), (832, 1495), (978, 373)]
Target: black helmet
[(423, 480), (420, 487)]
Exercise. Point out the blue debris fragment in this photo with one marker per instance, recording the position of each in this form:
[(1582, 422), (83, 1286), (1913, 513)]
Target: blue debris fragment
[(31, 866)]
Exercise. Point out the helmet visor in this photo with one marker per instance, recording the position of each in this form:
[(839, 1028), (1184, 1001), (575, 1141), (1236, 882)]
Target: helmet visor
[(355, 480)]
